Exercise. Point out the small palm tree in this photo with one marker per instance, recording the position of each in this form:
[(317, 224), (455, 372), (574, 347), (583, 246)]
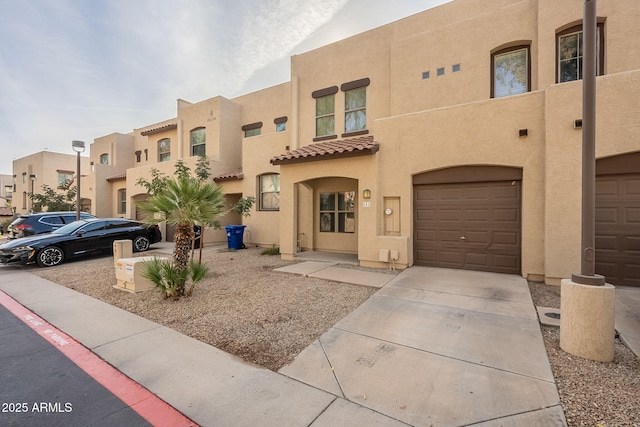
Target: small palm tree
[(185, 202)]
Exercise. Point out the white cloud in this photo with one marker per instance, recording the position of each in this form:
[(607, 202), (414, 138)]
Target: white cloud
[(72, 69)]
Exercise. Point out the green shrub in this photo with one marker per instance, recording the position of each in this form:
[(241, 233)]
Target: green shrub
[(172, 281)]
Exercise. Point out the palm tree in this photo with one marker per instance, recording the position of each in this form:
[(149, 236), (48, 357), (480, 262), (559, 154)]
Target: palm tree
[(185, 202)]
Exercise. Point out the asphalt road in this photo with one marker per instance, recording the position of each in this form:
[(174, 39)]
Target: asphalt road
[(41, 386)]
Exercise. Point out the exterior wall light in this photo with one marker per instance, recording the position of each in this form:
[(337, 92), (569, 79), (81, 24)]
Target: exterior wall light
[(366, 194)]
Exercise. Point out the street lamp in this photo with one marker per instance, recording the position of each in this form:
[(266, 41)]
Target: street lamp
[(78, 147), (32, 177)]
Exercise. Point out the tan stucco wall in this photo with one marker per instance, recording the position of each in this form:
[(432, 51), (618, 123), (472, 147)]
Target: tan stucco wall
[(45, 165), (420, 124)]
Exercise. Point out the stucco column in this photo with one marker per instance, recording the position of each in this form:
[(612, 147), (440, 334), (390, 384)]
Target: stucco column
[(288, 218), (587, 320)]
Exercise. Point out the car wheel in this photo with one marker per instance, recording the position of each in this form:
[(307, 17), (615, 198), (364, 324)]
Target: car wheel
[(141, 244), (48, 257)]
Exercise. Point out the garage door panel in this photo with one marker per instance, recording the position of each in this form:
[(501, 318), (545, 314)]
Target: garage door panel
[(632, 187), (477, 237), (607, 188), (477, 215), (607, 215), (507, 215), (507, 191), (448, 237), (506, 238), (448, 194), (476, 193), (606, 243), (632, 216), (476, 261), (427, 256), (632, 244), (450, 259), (486, 214), (426, 215), (618, 229), (448, 215)]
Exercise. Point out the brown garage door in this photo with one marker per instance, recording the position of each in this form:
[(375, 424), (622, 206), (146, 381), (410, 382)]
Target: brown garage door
[(471, 225), (618, 228)]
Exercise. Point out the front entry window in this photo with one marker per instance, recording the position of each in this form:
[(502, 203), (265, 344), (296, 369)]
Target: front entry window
[(337, 212)]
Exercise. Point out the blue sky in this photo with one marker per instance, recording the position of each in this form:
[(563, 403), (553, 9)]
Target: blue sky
[(77, 69)]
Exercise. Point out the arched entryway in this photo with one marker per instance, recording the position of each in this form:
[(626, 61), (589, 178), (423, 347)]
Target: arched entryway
[(327, 215), (468, 217)]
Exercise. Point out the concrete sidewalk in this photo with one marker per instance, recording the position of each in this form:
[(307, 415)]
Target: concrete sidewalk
[(432, 347)]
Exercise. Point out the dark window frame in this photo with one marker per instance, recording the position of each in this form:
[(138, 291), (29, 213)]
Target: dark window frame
[(504, 51), (261, 204), (192, 151), (578, 28), (161, 159)]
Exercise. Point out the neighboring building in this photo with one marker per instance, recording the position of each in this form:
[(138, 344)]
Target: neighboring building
[(450, 138), (6, 187), (30, 173)]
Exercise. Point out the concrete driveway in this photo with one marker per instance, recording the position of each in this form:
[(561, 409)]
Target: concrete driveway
[(440, 347)]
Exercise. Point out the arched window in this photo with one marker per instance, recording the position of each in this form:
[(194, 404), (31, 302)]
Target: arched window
[(569, 55), (510, 71), (104, 159)]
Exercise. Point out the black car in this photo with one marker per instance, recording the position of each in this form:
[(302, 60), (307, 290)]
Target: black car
[(77, 239), (42, 222)]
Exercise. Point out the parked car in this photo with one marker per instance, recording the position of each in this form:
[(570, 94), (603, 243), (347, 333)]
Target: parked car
[(79, 238), (42, 222)]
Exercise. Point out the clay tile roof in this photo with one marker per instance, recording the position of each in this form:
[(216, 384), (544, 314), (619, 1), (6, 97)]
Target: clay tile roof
[(118, 177), (164, 128), (233, 175), (328, 150), (6, 211)]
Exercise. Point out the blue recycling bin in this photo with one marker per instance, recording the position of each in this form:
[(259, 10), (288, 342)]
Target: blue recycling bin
[(234, 236)]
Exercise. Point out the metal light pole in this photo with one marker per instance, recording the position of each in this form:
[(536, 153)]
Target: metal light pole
[(78, 147), (587, 274), (32, 178)]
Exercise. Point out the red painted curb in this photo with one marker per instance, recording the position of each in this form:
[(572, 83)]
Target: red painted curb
[(146, 404)]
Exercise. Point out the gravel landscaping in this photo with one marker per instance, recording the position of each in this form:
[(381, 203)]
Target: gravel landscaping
[(267, 318)]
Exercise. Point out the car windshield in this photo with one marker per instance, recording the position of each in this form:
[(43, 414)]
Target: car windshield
[(70, 228)]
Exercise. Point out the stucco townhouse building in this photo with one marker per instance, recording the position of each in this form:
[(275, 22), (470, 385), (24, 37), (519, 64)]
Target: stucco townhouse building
[(450, 138)]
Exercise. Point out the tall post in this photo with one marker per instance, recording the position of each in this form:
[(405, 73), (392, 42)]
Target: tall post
[(587, 274), (78, 147), (78, 185), (587, 320)]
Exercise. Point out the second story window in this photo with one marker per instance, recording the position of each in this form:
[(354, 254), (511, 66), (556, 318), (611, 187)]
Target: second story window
[(325, 116), (355, 110), (325, 112), (510, 69), (63, 177), (164, 150), (198, 142), (570, 55), (253, 129), (281, 123), (104, 159)]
